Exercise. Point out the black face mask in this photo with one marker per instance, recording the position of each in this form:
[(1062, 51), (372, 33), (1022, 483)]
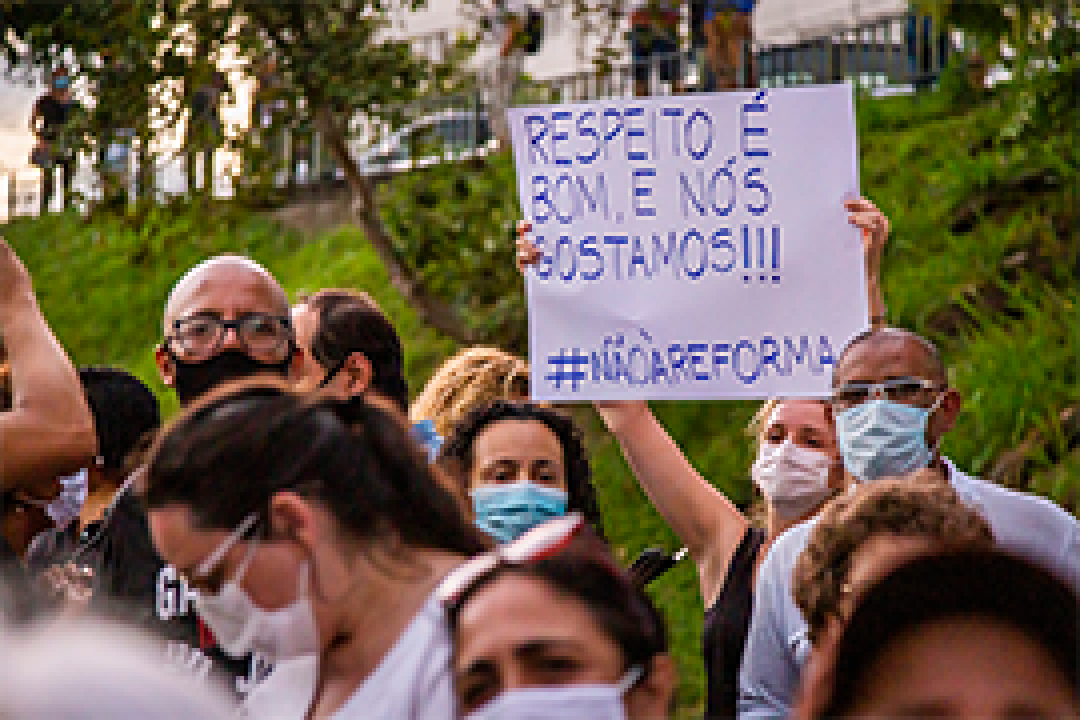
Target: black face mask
[(194, 379)]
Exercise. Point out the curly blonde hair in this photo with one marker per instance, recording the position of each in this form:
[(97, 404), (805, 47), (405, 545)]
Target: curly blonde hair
[(473, 377), (932, 510)]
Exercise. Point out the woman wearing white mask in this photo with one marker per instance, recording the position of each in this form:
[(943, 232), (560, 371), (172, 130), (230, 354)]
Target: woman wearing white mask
[(548, 627), (315, 534), (798, 467)]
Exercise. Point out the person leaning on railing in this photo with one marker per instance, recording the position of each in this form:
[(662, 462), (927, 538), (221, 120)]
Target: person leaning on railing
[(729, 35)]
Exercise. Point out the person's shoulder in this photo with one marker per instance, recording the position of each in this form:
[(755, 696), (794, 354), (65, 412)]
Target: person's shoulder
[(991, 496), (1022, 522)]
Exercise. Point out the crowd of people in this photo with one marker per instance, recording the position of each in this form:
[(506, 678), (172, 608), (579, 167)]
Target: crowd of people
[(304, 544)]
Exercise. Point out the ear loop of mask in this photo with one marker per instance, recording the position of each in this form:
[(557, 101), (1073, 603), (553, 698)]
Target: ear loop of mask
[(332, 373), (630, 679), (934, 451)]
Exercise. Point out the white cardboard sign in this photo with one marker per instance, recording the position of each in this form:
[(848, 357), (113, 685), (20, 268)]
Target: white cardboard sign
[(695, 246)]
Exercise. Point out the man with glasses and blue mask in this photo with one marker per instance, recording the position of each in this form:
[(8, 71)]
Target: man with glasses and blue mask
[(892, 405), (225, 320)]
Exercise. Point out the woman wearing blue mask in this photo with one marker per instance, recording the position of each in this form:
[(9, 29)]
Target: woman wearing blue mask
[(313, 533), (522, 464), (548, 627)]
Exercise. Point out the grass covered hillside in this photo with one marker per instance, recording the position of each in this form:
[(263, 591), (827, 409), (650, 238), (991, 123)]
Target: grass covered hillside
[(983, 258)]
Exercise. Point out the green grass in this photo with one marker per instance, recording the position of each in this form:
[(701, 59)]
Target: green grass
[(1010, 334)]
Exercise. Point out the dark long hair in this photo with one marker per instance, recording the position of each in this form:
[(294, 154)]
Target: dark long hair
[(238, 446), (457, 452)]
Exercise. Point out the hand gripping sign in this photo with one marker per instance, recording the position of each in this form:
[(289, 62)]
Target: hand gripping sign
[(693, 246)]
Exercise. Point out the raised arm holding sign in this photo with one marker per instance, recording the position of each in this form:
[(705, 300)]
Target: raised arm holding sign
[(693, 247), (794, 438)]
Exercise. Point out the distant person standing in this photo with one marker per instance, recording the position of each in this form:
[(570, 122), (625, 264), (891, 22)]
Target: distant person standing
[(205, 130), (729, 38), (49, 122), (654, 41)]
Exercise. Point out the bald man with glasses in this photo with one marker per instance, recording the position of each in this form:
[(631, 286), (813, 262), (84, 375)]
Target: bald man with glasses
[(892, 406)]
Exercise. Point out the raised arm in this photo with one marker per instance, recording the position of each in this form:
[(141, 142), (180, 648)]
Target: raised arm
[(705, 520), (49, 430), (866, 216)]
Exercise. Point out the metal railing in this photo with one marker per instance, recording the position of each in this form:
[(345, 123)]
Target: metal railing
[(897, 52), (904, 52)]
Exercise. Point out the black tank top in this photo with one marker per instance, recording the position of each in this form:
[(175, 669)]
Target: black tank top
[(727, 623)]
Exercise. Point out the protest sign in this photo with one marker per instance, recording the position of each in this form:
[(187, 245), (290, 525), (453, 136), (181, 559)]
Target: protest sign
[(694, 246)]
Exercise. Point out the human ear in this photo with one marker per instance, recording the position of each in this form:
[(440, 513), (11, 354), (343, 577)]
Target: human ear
[(296, 367), (165, 365), (944, 419), (652, 697), (291, 516), (361, 374)]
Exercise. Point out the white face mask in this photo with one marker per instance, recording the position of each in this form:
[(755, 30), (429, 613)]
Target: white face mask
[(573, 702), (795, 480), (68, 504), (241, 627)]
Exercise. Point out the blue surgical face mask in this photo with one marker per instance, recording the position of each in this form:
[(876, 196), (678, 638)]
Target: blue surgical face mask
[(507, 511), (881, 438), (61, 83)]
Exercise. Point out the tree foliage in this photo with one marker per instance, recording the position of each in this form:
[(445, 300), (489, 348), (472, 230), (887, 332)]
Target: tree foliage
[(335, 63)]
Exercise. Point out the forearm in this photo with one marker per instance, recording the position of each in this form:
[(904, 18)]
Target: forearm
[(49, 430), (875, 301), (700, 515)]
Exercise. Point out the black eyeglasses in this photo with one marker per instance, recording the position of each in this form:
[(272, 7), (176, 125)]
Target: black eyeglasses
[(905, 390), (266, 337)]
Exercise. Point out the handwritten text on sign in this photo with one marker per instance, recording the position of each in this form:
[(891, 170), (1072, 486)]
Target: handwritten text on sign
[(694, 246)]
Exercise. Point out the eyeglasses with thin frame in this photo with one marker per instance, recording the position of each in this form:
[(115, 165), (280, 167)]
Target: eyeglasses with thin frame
[(211, 562), (198, 337), (904, 390), (541, 542)]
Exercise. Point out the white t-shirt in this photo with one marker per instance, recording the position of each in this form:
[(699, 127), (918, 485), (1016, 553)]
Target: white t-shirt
[(414, 680)]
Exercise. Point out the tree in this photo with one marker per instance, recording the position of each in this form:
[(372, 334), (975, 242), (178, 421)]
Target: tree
[(336, 63)]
